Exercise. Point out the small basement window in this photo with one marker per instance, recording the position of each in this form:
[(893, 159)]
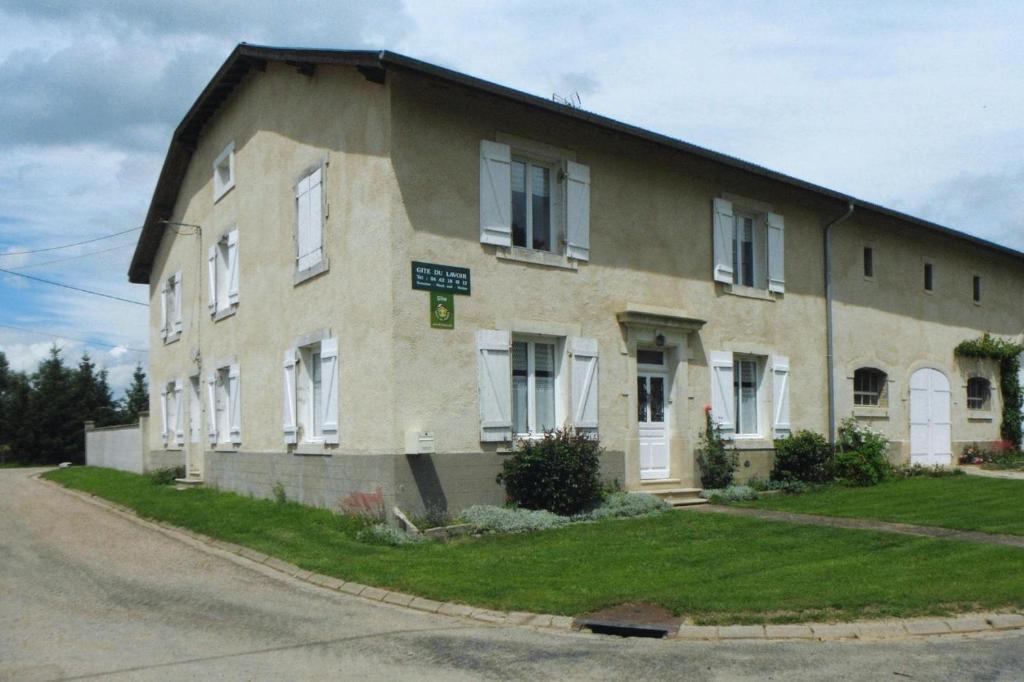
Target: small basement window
[(869, 387), (979, 393)]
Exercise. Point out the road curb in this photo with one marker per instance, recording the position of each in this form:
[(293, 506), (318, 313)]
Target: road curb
[(905, 628)]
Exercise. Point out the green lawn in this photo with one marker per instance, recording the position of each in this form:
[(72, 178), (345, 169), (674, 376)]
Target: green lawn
[(990, 505), (714, 568)]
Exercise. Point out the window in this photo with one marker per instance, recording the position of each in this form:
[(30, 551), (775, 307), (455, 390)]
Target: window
[(977, 289), (533, 387), (979, 391), (309, 221), (194, 425), (869, 387), (170, 305), (745, 385), (532, 198), (536, 199), (223, 406), (749, 247), (310, 392), (928, 277), (170, 397), (224, 172), (650, 357), (869, 262), (223, 274)]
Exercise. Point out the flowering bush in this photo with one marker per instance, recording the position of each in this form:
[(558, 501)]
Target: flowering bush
[(717, 464), (861, 459)]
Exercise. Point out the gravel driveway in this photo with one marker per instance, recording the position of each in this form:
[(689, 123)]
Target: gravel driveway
[(85, 594)]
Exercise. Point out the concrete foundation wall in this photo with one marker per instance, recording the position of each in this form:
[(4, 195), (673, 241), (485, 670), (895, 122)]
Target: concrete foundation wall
[(373, 484)]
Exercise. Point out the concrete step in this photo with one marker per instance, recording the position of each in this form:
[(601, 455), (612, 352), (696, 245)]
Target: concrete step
[(187, 482), (679, 497)]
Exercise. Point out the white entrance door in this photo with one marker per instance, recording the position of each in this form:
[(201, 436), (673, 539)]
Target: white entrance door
[(930, 427), (652, 422)]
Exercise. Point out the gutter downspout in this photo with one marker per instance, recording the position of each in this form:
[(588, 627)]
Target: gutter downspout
[(830, 355)]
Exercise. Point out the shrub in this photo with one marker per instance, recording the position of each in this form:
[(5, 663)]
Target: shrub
[(623, 505), (717, 464), (383, 534), (861, 459), (733, 493), (506, 520), (280, 496), (559, 473), (804, 456), (168, 475)]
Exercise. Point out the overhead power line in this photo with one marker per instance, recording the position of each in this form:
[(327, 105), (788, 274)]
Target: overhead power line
[(72, 338), (68, 246), (81, 255), (68, 286)]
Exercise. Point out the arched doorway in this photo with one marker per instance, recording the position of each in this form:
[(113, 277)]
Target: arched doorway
[(930, 426)]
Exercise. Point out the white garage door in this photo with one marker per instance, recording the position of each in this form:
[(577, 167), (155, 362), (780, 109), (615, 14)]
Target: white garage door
[(930, 428)]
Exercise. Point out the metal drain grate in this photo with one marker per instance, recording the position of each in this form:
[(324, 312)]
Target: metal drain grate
[(619, 629)]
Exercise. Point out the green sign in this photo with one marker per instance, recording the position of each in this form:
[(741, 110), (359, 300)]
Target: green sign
[(433, 277), (442, 310)]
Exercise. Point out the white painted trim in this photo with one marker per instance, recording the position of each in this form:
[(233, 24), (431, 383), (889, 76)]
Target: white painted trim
[(221, 188)]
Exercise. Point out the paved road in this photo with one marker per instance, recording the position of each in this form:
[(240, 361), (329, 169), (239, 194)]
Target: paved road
[(85, 594)]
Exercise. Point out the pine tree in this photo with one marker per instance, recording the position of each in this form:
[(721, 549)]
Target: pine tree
[(136, 396), (53, 416), (5, 384), (18, 434)]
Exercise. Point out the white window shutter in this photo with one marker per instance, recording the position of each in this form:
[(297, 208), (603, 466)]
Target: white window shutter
[(289, 412), (329, 386), (179, 412), (163, 313), (776, 253), (494, 376), (584, 383), (233, 267), (577, 211), (177, 302), (164, 420), (211, 406), (495, 193), (235, 403), (780, 389), (316, 219), (211, 269), (723, 403), (724, 229)]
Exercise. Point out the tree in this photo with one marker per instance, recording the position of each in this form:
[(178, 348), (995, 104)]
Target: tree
[(53, 418), (136, 396), (15, 436)]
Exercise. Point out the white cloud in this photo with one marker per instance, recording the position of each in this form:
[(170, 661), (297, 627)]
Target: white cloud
[(118, 351)]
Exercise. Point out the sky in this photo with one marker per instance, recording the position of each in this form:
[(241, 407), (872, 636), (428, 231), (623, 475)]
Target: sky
[(918, 106)]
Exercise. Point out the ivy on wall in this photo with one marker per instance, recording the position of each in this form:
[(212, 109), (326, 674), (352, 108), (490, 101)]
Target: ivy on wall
[(1007, 353)]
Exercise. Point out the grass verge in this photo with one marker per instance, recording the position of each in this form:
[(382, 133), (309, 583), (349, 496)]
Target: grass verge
[(713, 568), (989, 505)]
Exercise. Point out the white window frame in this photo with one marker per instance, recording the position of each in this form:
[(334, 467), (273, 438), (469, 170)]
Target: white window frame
[(223, 301), (759, 249), (171, 308), (556, 201), (170, 415), (305, 400), (759, 387), (223, 406), (224, 172), (532, 432), (195, 408)]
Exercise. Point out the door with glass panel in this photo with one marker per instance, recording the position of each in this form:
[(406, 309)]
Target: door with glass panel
[(533, 387), (652, 390)]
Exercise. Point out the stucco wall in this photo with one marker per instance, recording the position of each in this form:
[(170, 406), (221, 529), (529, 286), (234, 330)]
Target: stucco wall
[(115, 447)]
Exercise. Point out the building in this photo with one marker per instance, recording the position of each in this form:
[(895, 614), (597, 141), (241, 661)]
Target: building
[(592, 274)]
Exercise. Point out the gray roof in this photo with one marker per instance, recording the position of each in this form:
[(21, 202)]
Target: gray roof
[(374, 66)]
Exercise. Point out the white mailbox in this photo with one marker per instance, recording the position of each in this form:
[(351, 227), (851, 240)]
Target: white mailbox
[(419, 442)]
